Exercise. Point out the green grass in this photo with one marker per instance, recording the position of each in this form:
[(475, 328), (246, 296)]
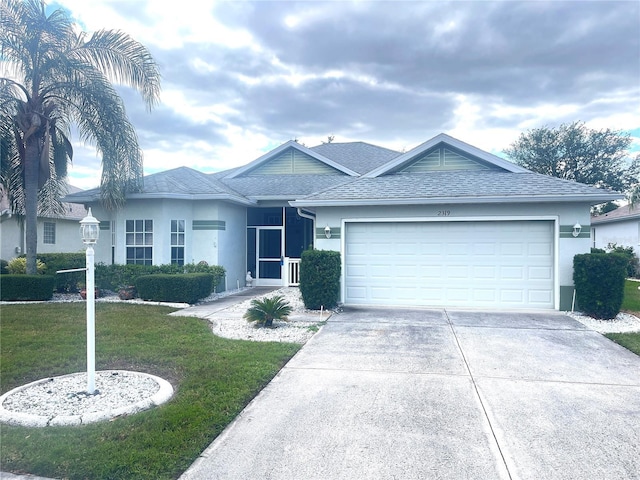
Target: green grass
[(631, 301), (630, 304), (631, 341), (213, 378)]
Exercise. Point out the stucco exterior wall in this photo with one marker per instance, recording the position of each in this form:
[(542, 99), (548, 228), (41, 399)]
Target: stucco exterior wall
[(565, 215), (67, 238), (215, 232), (232, 244), (623, 233)]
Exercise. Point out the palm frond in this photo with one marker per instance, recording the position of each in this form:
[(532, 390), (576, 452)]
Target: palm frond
[(264, 311), (125, 61)]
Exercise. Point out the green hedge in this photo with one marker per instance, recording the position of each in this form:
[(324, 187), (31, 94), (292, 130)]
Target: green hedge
[(599, 283), (64, 282), (186, 288), (320, 278), (26, 287), (114, 277)]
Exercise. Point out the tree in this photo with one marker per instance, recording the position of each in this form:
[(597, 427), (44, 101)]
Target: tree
[(575, 152), (54, 78)]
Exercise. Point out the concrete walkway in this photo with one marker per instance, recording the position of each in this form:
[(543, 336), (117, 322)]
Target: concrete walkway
[(420, 394)]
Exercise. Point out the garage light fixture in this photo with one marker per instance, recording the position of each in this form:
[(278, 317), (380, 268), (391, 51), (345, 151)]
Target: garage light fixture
[(577, 228), (327, 231)]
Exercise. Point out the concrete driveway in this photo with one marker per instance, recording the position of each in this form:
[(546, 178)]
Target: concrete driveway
[(421, 394)]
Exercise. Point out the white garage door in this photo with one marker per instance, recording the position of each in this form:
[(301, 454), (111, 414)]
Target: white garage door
[(459, 264)]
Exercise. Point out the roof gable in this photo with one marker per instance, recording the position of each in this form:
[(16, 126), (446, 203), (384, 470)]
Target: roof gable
[(446, 153), (291, 157), (442, 158), (292, 161)]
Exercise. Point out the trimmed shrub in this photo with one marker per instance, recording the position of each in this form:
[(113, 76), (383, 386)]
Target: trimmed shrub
[(184, 288), (114, 277), (633, 265), (26, 287), (65, 282), (599, 283), (217, 271), (18, 266), (3, 267), (320, 278)]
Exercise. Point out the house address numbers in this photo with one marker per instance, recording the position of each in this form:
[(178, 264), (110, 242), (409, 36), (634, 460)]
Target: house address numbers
[(444, 213)]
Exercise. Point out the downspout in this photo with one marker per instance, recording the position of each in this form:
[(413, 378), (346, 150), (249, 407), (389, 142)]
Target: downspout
[(311, 217)]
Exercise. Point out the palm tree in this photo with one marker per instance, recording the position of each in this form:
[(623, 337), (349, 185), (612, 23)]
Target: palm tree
[(266, 310), (54, 78)]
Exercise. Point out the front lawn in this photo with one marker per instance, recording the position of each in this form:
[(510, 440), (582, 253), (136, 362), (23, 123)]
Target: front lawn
[(213, 378), (630, 304), (631, 301)]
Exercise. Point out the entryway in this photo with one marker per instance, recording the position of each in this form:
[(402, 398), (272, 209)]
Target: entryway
[(276, 238)]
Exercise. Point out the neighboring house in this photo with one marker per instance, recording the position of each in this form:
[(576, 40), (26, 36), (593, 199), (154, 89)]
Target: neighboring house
[(55, 234), (620, 226), (445, 224)]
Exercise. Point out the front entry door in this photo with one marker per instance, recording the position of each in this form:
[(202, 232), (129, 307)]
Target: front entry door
[(269, 256)]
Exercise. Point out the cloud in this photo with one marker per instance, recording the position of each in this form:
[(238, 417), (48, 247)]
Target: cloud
[(240, 78)]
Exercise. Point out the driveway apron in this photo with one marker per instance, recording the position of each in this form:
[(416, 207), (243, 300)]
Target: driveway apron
[(420, 394)]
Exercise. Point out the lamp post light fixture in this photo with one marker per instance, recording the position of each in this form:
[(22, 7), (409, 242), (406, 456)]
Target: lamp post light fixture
[(90, 231), (577, 228)]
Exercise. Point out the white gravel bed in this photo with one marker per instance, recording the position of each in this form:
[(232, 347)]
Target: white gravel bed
[(623, 323), (109, 296), (64, 400), (300, 327)]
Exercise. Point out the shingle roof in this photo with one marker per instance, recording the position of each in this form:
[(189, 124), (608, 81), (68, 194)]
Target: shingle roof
[(506, 185), (458, 186), (72, 211), (181, 182), (284, 186), (628, 212), (360, 157)]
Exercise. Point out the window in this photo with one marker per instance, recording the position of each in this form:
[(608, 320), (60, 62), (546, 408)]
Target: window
[(139, 241), (177, 242), (49, 233)]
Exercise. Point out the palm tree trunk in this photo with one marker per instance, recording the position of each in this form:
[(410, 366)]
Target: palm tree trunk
[(31, 165)]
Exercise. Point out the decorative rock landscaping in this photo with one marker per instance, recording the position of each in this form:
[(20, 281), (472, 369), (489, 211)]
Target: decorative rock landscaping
[(64, 401)]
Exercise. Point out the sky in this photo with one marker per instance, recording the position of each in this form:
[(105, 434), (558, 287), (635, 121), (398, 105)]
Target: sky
[(240, 78)]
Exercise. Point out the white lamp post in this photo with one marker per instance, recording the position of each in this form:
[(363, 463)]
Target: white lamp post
[(89, 231)]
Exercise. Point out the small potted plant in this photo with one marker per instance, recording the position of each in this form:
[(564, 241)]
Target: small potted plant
[(127, 292), (82, 288)]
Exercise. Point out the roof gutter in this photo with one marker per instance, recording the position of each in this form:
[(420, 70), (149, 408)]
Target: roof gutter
[(170, 196), (591, 199)]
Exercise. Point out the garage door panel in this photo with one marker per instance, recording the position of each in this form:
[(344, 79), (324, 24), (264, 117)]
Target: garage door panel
[(455, 272), (513, 297), (511, 249), (540, 297), (540, 273), (512, 273), (456, 294), (488, 264), (484, 272), (484, 295)]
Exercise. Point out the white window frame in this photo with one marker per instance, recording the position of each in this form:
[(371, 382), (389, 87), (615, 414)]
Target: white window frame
[(177, 238), (139, 239), (49, 233)]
